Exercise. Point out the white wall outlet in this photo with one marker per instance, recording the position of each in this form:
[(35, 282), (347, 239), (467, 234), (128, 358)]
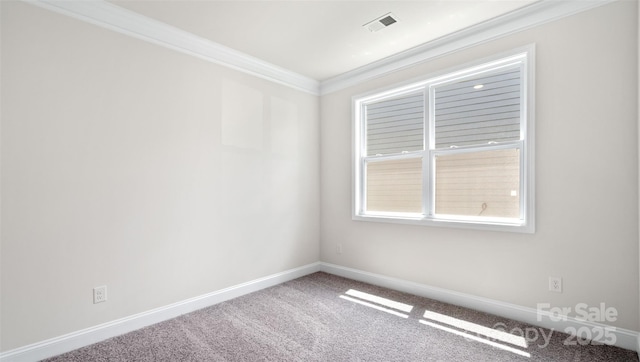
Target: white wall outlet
[(339, 248), (555, 284), (100, 294)]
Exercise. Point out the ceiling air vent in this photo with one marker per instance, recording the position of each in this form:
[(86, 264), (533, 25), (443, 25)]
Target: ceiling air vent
[(381, 22)]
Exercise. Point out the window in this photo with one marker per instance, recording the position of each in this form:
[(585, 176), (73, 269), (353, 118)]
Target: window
[(455, 149)]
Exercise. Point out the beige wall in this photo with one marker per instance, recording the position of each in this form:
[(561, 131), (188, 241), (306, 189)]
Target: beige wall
[(155, 173), (586, 175)]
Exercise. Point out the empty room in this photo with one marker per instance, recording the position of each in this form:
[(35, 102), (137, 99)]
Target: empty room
[(319, 180)]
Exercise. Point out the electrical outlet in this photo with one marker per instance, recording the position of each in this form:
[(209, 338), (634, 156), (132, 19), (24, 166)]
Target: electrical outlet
[(100, 294), (339, 248), (555, 284)]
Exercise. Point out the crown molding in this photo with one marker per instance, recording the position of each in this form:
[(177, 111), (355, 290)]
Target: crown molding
[(113, 17), (116, 18), (533, 15)]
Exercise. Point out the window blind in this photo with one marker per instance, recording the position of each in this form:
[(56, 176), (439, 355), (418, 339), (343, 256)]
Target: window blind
[(395, 125), (478, 110)]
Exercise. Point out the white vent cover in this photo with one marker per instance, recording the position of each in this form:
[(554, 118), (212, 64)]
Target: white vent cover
[(381, 22)]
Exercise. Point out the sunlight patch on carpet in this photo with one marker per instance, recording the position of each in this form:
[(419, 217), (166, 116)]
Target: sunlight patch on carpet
[(478, 329), (378, 303), (379, 300), (469, 336)]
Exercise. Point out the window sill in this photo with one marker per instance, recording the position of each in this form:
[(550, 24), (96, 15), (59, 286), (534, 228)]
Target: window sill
[(517, 226)]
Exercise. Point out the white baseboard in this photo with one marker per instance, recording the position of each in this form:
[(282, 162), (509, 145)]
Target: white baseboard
[(624, 338), (85, 337)]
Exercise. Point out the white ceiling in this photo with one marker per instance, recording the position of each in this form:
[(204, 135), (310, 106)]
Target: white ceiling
[(321, 39)]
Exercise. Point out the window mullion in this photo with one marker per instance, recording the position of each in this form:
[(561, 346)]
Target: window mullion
[(428, 171), (361, 174)]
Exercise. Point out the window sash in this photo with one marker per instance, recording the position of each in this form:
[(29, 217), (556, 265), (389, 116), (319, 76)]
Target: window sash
[(395, 124), (487, 114), (401, 174), (521, 192), (461, 115)]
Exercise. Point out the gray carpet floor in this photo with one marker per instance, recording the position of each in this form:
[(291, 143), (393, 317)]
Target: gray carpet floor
[(322, 317)]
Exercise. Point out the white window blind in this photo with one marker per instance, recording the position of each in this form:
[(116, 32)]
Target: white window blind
[(478, 110), (395, 125)]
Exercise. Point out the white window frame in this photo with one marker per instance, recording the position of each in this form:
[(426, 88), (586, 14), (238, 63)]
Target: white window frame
[(525, 223)]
